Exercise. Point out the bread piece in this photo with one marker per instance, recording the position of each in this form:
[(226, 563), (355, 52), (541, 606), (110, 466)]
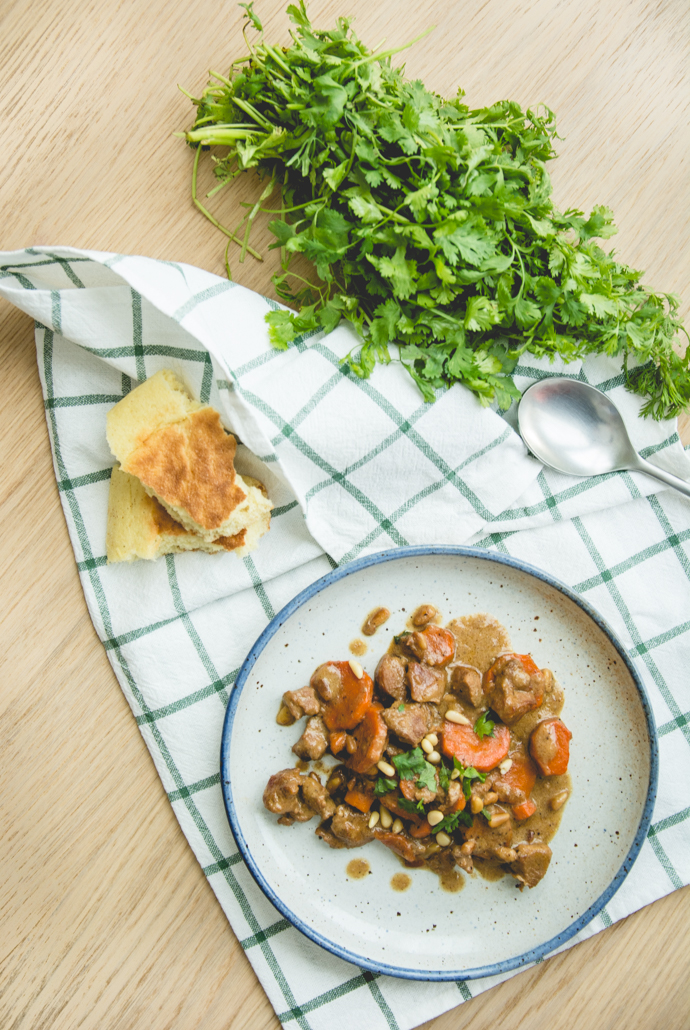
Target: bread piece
[(184, 458), (139, 527)]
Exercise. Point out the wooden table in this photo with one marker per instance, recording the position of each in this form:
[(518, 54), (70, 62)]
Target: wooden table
[(107, 921)]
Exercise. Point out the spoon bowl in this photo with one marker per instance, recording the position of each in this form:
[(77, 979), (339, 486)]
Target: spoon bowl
[(575, 429)]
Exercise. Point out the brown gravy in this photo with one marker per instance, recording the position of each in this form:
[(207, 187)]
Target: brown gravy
[(358, 868), (401, 881)]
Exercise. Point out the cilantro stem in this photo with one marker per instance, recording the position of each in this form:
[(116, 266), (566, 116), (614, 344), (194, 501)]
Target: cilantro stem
[(204, 211)]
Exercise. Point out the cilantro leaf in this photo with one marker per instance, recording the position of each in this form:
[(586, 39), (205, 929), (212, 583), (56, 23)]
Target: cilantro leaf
[(443, 776), (484, 726), (449, 823), (467, 774), (409, 764), (384, 786), (411, 806)]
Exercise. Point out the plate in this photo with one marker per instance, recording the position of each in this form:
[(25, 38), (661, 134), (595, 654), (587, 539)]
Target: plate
[(488, 927)]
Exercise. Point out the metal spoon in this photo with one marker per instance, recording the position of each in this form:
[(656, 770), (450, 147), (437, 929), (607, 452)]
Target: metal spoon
[(574, 428)]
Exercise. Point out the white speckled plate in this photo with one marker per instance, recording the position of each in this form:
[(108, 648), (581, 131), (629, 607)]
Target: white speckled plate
[(487, 927)]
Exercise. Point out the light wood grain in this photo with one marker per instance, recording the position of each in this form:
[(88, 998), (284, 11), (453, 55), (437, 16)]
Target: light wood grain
[(107, 921)]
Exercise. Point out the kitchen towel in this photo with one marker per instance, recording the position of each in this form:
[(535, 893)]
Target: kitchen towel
[(353, 467)]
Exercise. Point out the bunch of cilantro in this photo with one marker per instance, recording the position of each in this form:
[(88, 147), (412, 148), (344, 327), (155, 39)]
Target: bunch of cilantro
[(428, 225)]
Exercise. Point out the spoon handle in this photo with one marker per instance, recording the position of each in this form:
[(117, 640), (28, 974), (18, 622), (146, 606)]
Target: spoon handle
[(681, 485)]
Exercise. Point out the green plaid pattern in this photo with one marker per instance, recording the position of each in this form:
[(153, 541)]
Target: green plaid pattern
[(353, 467)]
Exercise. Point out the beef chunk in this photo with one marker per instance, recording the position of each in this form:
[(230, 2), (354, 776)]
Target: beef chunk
[(409, 849), (466, 682), (433, 645), (351, 827), (447, 801), (326, 681), (301, 702), (414, 793), (489, 843), (426, 684), (514, 692), (282, 795), (317, 797), (314, 741), (410, 725), (324, 831), (531, 863), (390, 676)]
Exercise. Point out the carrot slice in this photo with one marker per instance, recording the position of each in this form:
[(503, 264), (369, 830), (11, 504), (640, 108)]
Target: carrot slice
[(337, 740), (359, 799), (525, 660), (522, 774), (549, 745), (370, 737), (423, 830), (347, 708), (462, 742), (524, 810), (440, 645)]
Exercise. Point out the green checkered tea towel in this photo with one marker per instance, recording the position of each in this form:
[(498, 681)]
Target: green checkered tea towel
[(352, 466)]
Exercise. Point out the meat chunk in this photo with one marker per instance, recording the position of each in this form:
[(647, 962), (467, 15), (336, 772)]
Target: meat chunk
[(452, 800), (324, 831), (433, 645), (408, 848), (466, 682), (301, 702), (531, 863), (314, 741), (351, 827), (411, 724), (426, 684), (413, 793), (317, 797), (490, 843), (283, 796), (514, 691), (390, 676), (463, 857)]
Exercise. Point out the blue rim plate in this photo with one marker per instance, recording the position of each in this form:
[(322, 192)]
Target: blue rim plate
[(242, 699)]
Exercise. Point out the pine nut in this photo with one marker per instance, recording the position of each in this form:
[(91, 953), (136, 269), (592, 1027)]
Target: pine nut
[(427, 746), (386, 769), (434, 758), (476, 804), (443, 839), (373, 819), (356, 668), (558, 800), (434, 818), (432, 738), (285, 717), (424, 614), (505, 765), (498, 819), (457, 717), (375, 619), (490, 797), (397, 826), (455, 775), (386, 819)]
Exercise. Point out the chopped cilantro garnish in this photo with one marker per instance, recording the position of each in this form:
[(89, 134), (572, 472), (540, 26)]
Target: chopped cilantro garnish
[(487, 815), (401, 707), (384, 786), (410, 763), (467, 774), (411, 806), (414, 766), (400, 638), (484, 726), (443, 776), (450, 822)]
